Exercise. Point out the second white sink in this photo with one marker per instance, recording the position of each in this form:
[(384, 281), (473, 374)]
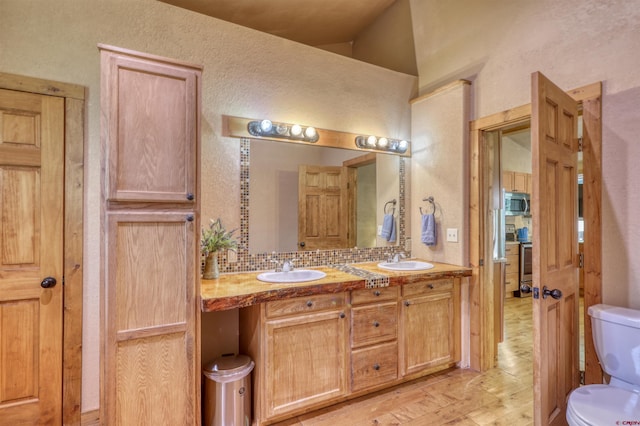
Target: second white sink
[(408, 265), (295, 276)]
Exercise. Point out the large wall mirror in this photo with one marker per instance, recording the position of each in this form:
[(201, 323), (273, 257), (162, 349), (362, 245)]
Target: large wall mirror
[(306, 197)]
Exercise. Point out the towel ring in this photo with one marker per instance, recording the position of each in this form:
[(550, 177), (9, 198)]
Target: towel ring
[(393, 203), (433, 204)]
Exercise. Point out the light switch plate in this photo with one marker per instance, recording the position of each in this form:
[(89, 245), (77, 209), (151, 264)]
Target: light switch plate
[(379, 230), (452, 235)]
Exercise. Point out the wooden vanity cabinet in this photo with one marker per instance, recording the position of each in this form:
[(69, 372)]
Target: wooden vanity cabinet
[(430, 325), (300, 347), (374, 337)]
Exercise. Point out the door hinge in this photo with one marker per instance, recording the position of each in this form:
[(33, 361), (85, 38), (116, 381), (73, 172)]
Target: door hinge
[(63, 280), (581, 260), (582, 377), (580, 145)]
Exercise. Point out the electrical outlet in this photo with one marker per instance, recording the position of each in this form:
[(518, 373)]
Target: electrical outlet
[(452, 235)]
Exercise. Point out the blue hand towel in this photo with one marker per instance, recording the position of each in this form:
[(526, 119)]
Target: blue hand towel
[(388, 232), (428, 235)]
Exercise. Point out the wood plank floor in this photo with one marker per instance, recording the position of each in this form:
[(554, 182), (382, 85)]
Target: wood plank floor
[(501, 396)]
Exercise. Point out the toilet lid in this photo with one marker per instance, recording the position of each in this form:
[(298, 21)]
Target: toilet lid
[(602, 404)]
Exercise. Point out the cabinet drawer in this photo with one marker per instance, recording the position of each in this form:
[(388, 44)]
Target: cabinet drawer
[(511, 265), (511, 249), (511, 282), (305, 304), (374, 365), (427, 287), (374, 323), (374, 295)]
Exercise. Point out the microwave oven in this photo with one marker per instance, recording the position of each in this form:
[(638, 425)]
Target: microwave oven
[(517, 204)]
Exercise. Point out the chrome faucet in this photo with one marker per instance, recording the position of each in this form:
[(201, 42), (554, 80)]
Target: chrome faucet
[(287, 265), (396, 257)]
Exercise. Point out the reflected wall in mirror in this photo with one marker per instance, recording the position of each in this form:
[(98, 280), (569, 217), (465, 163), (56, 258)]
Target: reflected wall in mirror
[(317, 198)]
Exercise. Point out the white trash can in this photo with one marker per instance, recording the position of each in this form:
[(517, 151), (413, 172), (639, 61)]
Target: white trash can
[(227, 391)]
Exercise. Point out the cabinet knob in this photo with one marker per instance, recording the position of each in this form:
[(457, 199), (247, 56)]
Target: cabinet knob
[(190, 218), (309, 303), (190, 196), (376, 293), (376, 366), (376, 324), (342, 315), (430, 286), (407, 303)]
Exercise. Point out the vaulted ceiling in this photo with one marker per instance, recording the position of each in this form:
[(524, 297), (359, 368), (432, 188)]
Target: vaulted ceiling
[(345, 27)]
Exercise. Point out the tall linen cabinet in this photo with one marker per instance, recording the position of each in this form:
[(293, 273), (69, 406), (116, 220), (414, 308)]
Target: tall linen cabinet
[(150, 363)]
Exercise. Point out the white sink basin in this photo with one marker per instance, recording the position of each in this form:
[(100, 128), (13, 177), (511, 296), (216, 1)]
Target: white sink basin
[(295, 276), (408, 265)]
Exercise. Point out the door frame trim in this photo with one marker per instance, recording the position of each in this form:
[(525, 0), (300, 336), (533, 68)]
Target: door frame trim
[(483, 346), (74, 133)]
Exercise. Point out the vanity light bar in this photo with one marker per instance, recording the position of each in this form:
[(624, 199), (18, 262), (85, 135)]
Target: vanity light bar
[(382, 144), (267, 128)]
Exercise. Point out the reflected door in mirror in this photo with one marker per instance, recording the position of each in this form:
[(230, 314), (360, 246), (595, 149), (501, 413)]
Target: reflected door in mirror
[(323, 220)]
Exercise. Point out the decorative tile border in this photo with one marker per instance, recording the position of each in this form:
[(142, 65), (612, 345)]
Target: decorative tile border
[(246, 262), (372, 279)]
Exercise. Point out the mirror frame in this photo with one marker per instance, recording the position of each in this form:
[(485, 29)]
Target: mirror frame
[(243, 261)]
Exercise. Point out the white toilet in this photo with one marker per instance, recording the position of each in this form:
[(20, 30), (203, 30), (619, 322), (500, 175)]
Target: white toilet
[(616, 335)]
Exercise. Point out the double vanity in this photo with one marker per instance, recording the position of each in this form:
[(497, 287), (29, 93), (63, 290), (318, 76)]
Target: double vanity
[(357, 329)]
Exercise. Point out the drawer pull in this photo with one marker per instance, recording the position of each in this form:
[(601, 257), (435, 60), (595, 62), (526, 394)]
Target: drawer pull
[(309, 303), (376, 366), (376, 293), (376, 324)]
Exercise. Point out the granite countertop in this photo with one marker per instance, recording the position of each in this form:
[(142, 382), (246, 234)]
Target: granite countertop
[(238, 290)]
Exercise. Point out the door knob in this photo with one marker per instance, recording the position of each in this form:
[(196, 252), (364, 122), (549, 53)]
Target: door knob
[(555, 293), (48, 282), (525, 288)]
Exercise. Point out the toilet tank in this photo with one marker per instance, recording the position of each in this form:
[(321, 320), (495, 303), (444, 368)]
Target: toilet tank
[(616, 335)]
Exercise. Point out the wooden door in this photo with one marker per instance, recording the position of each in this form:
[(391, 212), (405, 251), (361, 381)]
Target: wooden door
[(322, 207), (31, 206), (555, 250)]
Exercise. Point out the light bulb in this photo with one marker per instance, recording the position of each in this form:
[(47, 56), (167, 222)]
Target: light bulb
[(403, 145), (296, 130), (266, 125), (310, 132), (281, 129), (371, 141), (382, 142)]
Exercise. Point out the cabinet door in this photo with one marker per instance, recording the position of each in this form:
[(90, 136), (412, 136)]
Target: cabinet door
[(519, 182), (306, 361), (150, 124), (507, 181), (149, 320), (430, 331)]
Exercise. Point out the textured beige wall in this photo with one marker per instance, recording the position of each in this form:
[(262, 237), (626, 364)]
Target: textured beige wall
[(440, 169), (498, 44), (246, 73)]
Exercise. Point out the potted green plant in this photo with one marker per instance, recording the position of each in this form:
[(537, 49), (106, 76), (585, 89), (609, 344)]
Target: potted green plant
[(214, 239)]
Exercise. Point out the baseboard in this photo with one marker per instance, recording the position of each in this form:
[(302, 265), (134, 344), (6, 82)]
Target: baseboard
[(90, 418)]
